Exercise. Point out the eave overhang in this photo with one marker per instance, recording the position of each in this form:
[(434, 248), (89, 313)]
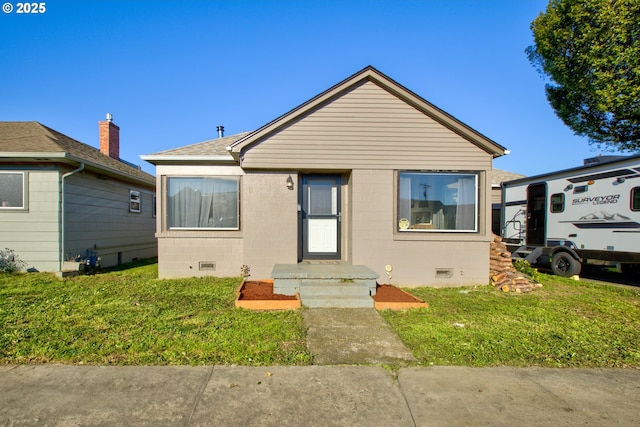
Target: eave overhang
[(188, 159), (65, 158)]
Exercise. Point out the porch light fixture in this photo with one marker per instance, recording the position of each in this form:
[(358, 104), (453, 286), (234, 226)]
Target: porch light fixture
[(290, 183)]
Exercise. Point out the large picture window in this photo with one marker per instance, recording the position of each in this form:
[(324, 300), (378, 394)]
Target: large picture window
[(11, 190), (437, 201), (203, 203)]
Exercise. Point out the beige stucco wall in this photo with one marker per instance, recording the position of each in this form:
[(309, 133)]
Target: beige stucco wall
[(270, 221), (181, 252), (418, 259), (268, 228)]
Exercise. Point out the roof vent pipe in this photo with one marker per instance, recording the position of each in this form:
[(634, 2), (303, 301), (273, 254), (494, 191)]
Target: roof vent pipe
[(220, 130)]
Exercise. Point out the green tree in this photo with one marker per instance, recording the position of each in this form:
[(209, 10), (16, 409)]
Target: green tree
[(590, 51)]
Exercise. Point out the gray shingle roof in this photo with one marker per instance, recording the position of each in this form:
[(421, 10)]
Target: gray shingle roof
[(36, 138), (212, 147)]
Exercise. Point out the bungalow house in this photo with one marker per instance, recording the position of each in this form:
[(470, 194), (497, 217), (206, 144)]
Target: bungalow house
[(367, 173), (60, 198)]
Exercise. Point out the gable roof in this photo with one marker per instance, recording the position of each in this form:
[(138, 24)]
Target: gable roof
[(372, 75), (33, 141), (205, 151)]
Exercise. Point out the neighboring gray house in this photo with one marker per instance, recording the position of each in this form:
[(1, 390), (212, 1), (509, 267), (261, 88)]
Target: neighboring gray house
[(60, 197), (366, 173)]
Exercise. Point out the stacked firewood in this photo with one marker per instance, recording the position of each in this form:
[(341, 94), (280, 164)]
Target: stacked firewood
[(503, 274)]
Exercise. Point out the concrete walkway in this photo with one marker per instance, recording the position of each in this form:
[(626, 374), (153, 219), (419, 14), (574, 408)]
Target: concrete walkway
[(353, 336), (58, 395)]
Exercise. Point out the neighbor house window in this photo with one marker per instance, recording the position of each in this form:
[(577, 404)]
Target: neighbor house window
[(437, 201), (11, 190), (203, 202), (134, 201), (557, 202), (635, 199)]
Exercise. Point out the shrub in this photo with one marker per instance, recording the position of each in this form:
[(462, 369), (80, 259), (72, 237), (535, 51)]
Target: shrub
[(524, 267), (10, 262)]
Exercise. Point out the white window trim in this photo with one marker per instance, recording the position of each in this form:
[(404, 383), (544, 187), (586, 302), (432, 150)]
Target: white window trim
[(25, 200), (135, 197)]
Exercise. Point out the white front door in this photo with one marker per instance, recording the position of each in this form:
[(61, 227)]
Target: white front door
[(321, 216)]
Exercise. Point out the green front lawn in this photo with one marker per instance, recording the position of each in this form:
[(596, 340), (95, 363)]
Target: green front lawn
[(130, 317), (565, 324)]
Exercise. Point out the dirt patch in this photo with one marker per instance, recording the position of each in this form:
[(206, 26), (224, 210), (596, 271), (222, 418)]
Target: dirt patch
[(261, 290), (389, 293)]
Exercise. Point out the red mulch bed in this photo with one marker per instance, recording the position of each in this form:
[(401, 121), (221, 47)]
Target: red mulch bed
[(389, 293), (259, 290)]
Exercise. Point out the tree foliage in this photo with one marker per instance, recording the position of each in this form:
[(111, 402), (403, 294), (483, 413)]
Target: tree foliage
[(590, 51)]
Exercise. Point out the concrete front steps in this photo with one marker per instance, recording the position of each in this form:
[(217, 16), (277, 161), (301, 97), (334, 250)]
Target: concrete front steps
[(326, 285), (335, 295)]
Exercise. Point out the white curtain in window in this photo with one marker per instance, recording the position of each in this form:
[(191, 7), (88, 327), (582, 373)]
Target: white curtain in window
[(465, 209), (404, 204), (203, 203)]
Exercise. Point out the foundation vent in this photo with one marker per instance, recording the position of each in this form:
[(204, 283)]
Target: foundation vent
[(444, 273), (207, 265)]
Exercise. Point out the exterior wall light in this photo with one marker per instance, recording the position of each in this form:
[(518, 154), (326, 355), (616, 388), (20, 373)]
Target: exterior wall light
[(620, 180), (290, 183)]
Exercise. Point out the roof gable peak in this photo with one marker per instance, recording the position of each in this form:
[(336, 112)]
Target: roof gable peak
[(370, 73)]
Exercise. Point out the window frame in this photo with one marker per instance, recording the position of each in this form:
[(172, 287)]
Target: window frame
[(551, 203), (401, 229), (632, 195), (166, 195), (25, 199), (135, 197)]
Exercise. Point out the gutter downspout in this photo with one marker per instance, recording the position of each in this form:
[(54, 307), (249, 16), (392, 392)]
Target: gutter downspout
[(62, 219)]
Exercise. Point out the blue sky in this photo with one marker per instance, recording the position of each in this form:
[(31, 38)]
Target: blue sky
[(171, 71)]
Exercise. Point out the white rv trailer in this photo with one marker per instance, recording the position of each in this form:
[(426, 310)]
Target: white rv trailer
[(589, 214)]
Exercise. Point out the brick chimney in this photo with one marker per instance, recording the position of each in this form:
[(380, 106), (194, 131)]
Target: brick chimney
[(109, 138)]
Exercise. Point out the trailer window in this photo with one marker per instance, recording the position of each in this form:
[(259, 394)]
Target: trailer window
[(635, 199), (557, 202)]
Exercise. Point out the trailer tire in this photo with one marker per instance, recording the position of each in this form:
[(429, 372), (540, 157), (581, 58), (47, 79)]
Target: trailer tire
[(564, 265)]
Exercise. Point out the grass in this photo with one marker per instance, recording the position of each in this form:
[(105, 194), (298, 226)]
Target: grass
[(129, 317), (565, 324)]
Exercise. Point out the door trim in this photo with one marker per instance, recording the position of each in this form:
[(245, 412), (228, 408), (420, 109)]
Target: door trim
[(305, 216)]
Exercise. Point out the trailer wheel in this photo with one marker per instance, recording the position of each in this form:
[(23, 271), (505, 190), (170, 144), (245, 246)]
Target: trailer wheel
[(563, 264)]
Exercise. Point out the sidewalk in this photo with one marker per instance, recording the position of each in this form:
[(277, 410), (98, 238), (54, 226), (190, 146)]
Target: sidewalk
[(60, 395)]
